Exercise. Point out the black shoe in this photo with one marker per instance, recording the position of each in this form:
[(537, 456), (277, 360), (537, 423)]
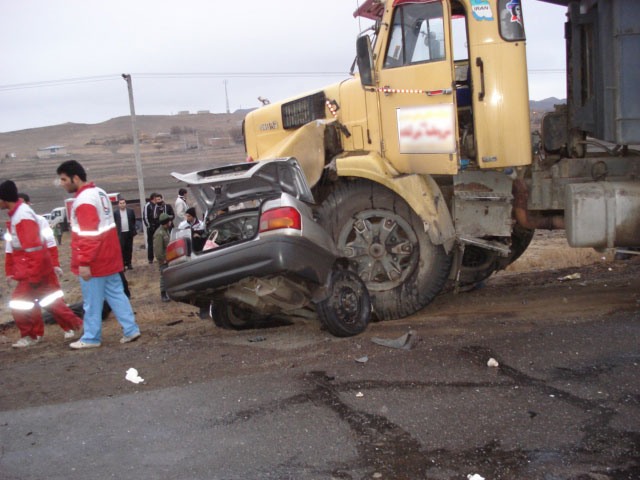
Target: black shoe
[(165, 298), (129, 267)]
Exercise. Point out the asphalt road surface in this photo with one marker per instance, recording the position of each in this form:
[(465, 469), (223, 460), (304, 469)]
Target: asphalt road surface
[(292, 402)]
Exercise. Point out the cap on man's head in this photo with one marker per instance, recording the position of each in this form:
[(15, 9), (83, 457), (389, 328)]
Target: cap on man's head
[(191, 211), (164, 218), (8, 191)]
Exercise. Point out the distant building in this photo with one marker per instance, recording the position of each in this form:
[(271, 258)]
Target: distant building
[(220, 142), (183, 112), (52, 151), (202, 112)]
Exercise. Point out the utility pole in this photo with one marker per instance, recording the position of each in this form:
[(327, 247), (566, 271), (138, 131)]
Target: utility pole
[(226, 95), (136, 149)]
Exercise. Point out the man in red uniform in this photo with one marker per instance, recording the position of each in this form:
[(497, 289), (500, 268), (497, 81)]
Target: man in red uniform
[(96, 257), (29, 263)]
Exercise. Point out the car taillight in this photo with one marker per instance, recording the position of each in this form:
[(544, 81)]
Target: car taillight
[(249, 158), (283, 217), (176, 249)]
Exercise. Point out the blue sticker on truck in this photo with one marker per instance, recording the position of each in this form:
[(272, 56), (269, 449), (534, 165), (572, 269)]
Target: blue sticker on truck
[(481, 10)]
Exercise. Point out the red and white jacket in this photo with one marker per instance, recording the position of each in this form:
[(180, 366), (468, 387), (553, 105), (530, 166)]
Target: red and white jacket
[(47, 235), (27, 257), (94, 239)]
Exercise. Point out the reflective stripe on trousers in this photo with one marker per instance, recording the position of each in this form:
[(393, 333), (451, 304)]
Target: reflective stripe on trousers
[(52, 297), (21, 305)]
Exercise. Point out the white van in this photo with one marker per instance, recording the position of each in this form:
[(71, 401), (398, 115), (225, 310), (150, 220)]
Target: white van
[(58, 215)]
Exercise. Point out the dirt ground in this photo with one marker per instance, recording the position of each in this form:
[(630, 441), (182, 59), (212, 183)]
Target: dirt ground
[(179, 348)]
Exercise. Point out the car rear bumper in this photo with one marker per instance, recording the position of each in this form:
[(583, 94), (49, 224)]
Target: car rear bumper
[(208, 272)]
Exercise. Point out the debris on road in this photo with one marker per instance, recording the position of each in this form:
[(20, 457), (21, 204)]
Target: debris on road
[(132, 376), (493, 363), (364, 359), (573, 276), (359, 394), (405, 342), (475, 476), (257, 339), (175, 322)]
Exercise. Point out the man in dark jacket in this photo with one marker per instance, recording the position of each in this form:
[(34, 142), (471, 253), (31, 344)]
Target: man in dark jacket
[(125, 219), (147, 218)]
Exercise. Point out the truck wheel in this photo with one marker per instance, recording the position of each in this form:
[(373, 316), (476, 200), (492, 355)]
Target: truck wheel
[(386, 244), (347, 309), (479, 264), (233, 317)]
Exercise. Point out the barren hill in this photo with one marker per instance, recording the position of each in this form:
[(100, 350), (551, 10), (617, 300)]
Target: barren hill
[(167, 143)]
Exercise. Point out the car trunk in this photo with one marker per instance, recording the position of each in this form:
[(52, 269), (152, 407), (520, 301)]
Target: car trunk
[(231, 196)]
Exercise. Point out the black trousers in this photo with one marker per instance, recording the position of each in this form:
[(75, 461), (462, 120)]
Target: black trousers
[(150, 231), (126, 245)]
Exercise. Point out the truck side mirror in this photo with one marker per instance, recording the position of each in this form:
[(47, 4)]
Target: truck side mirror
[(364, 55)]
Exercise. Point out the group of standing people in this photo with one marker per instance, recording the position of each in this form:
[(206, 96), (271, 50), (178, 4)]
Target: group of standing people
[(101, 248), (96, 258), (154, 208)]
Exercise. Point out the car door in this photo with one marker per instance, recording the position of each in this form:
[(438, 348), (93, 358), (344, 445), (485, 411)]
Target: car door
[(416, 98)]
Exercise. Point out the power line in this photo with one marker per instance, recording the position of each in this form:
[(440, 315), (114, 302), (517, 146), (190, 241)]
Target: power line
[(169, 75)]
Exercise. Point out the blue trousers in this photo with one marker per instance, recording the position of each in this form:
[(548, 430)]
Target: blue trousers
[(94, 292)]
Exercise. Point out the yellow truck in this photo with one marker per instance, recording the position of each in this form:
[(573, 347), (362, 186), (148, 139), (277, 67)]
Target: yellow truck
[(422, 161)]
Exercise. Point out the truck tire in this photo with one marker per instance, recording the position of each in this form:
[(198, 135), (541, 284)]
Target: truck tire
[(233, 317), (479, 264), (347, 309), (386, 243)]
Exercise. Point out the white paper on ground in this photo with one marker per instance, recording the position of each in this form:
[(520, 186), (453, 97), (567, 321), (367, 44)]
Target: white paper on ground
[(132, 376)]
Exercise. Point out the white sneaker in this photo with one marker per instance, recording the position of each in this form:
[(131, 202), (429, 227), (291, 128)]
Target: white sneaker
[(26, 342), (69, 334), (131, 338), (80, 344)]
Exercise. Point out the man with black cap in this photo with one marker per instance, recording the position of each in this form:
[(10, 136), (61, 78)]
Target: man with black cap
[(96, 256), (161, 239), (192, 223), (28, 261)]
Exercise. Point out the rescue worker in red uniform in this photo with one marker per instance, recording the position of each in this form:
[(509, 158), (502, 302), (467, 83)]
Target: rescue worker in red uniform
[(96, 257), (28, 261)]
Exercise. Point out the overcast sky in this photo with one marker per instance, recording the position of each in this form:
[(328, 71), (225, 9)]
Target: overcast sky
[(61, 60)]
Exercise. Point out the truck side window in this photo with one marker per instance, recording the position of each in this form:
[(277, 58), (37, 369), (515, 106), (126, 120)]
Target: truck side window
[(417, 35), (511, 23)]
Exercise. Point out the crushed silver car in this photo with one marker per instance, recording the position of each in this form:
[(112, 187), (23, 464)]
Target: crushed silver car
[(264, 254)]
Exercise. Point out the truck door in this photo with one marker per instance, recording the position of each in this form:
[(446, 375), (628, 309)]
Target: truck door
[(415, 78)]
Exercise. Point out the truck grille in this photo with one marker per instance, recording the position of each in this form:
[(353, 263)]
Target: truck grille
[(303, 110)]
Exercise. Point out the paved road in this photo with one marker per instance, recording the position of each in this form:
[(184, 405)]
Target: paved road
[(564, 403)]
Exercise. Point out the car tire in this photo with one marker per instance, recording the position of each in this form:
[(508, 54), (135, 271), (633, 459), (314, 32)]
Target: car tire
[(347, 309), (231, 316), (402, 268)]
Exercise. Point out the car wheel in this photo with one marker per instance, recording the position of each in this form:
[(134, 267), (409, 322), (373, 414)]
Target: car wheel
[(386, 243), (233, 317), (347, 309)]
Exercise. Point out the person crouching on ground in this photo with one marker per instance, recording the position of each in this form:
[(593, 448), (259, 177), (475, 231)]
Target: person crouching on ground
[(28, 261), (96, 256), (160, 242)]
